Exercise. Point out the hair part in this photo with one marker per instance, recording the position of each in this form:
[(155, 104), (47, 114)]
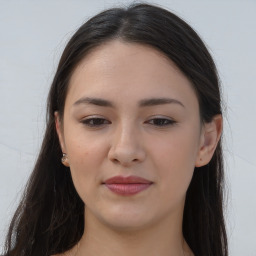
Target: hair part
[(50, 217)]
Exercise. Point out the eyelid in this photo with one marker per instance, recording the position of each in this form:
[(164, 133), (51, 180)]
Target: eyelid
[(170, 120), (102, 121), (86, 120)]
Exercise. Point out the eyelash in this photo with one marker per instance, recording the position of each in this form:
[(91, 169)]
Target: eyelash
[(163, 121), (97, 119), (98, 122)]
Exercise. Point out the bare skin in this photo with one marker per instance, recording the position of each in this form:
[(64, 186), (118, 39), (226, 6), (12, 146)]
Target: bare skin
[(75, 250), (161, 142)]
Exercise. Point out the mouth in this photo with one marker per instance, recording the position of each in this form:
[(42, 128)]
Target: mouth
[(127, 186)]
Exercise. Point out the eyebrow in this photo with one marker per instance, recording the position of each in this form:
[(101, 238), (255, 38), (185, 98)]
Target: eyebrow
[(142, 103), (158, 101)]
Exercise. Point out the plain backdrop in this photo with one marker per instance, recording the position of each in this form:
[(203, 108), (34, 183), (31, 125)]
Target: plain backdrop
[(32, 37)]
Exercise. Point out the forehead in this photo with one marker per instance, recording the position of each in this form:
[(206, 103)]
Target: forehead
[(117, 70)]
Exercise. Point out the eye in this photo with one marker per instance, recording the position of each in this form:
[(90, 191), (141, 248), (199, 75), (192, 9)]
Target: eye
[(95, 122), (161, 121)]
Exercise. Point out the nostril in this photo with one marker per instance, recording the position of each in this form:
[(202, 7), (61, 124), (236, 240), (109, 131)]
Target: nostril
[(116, 161), (125, 155)]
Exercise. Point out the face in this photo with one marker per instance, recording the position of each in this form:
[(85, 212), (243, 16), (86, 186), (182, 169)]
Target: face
[(130, 112)]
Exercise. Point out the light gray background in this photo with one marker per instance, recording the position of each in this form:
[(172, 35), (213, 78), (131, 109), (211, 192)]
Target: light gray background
[(32, 36)]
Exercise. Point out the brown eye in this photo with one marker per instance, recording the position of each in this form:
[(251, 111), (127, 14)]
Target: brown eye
[(161, 122), (95, 122)]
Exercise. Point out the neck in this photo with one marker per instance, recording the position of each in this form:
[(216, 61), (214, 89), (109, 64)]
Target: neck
[(164, 238)]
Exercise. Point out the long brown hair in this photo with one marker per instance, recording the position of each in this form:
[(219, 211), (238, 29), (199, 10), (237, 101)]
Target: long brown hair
[(50, 217)]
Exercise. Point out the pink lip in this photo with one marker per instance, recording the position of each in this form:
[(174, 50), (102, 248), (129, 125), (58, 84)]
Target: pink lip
[(127, 185)]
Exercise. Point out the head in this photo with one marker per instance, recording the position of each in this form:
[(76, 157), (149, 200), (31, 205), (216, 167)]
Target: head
[(130, 111), (160, 118)]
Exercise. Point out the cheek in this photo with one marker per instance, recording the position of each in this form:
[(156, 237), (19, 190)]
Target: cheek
[(174, 158), (83, 147), (85, 156)]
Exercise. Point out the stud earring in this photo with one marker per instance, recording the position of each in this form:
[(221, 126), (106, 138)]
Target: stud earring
[(64, 160)]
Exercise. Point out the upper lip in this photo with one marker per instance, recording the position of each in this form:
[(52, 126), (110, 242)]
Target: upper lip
[(127, 180)]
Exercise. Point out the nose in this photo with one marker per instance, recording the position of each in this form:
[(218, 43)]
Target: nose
[(126, 147)]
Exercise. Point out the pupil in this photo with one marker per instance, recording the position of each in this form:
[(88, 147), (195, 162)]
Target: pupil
[(98, 121), (160, 121)]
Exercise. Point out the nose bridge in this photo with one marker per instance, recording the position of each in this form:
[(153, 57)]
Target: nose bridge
[(125, 132), (126, 146)]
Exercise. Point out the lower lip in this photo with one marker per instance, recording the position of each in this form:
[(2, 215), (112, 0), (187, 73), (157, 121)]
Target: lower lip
[(127, 189)]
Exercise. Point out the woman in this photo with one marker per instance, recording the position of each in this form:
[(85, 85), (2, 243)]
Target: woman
[(134, 114)]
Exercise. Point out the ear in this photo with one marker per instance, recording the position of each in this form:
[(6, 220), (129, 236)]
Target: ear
[(59, 130), (210, 136)]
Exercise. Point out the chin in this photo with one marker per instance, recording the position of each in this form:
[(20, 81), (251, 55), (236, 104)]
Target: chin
[(126, 221), (126, 225)]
